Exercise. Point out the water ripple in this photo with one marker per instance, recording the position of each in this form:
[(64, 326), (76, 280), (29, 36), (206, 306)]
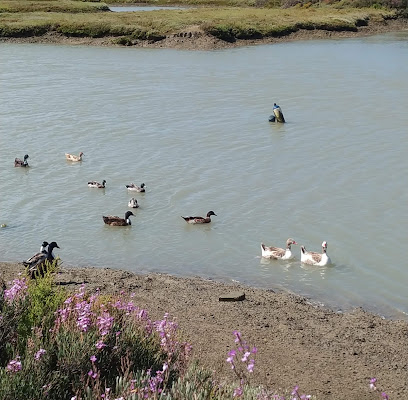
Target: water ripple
[(194, 127)]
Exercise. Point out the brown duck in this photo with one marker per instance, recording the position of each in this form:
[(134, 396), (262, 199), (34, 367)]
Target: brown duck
[(21, 163), (199, 220), (135, 188), (117, 221)]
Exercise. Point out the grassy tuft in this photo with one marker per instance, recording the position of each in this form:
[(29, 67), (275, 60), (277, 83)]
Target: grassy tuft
[(242, 20)]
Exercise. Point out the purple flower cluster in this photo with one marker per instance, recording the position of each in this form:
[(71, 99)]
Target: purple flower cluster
[(297, 396), (87, 314), (18, 290), (14, 365), (167, 330), (373, 386), (39, 354), (153, 384), (245, 355), (104, 322), (84, 315), (245, 352), (79, 309), (168, 340)]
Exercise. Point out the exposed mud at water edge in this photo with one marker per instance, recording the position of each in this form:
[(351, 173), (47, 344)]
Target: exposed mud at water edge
[(328, 354)]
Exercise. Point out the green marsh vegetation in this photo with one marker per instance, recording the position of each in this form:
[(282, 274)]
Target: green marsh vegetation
[(224, 19)]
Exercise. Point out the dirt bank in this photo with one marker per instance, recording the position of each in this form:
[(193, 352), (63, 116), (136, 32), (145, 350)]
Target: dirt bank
[(328, 354), (195, 39)]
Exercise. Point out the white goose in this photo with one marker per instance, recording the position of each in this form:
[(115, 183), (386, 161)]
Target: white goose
[(310, 257), (73, 157), (277, 252)]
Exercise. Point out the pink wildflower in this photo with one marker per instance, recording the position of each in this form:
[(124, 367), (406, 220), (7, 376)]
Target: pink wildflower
[(251, 365), (16, 291), (104, 322), (100, 345), (237, 336), (231, 356), (14, 365), (92, 374), (238, 392), (39, 354), (245, 357)]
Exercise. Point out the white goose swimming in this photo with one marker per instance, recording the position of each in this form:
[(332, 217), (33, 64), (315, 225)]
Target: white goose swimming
[(73, 157), (312, 258), (277, 252)]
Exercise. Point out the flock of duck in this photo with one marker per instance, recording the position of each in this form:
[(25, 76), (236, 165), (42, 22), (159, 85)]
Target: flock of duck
[(37, 263)]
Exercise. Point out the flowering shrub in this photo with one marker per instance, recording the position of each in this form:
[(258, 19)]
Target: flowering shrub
[(89, 347), (88, 343)]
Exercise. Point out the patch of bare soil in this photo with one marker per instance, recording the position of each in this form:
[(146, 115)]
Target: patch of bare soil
[(328, 354)]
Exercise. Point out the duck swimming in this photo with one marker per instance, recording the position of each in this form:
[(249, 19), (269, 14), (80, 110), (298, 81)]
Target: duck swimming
[(72, 157), (133, 203), (312, 258), (94, 184), (136, 188), (21, 163), (116, 221), (199, 220), (278, 252)]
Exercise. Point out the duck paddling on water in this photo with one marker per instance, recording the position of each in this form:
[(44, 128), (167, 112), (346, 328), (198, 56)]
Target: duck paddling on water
[(117, 221), (200, 220), (21, 163)]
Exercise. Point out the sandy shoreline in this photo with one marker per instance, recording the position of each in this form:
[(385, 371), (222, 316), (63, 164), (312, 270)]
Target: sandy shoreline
[(328, 354), (194, 39)]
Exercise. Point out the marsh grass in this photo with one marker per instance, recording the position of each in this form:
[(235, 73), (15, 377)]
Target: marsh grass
[(228, 23), (62, 6)]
